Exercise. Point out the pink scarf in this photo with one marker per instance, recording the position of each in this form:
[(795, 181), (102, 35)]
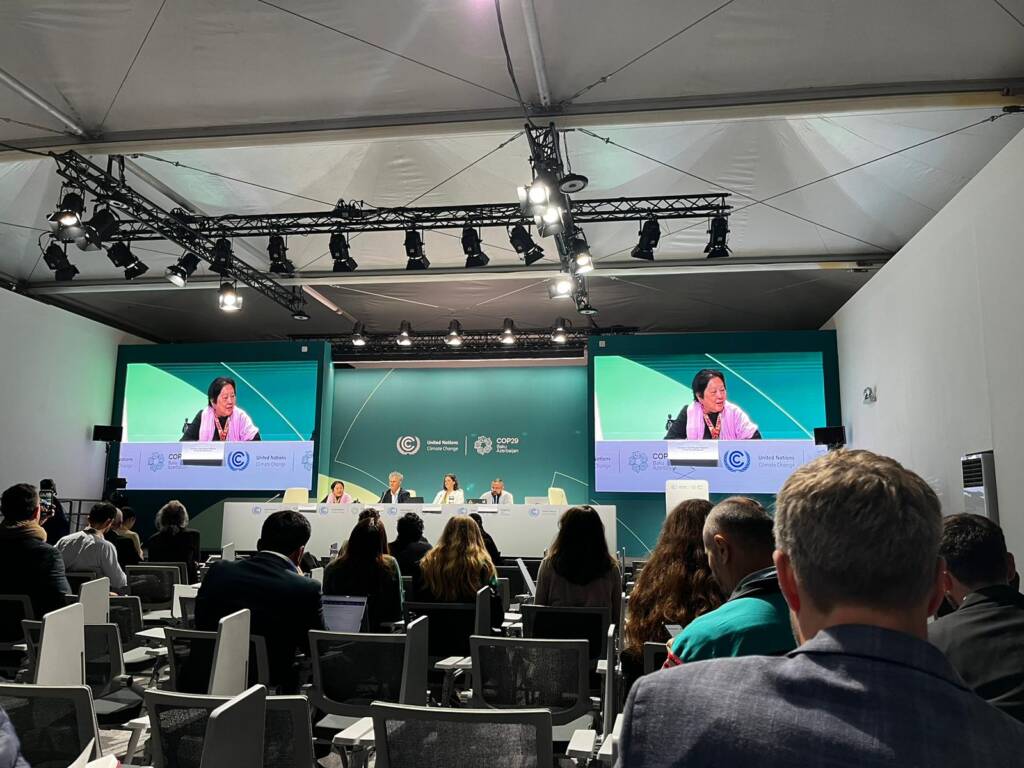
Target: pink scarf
[(735, 423), (345, 498), (240, 426)]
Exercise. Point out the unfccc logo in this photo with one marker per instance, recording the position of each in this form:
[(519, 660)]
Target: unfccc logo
[(483, 445), (408, 445), (737, 461), (238, 460)]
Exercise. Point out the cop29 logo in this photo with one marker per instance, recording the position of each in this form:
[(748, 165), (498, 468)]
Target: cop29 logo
[(483, 445), (155, 462), (408, 445), (238, 460), (737, 460)]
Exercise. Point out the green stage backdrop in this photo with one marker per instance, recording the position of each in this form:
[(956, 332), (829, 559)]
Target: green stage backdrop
[(525, 425)]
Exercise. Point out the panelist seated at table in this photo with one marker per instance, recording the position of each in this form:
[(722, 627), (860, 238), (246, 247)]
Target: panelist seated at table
[(337, 494), (710, 416), (498, 494), (222, 419), (450, 493), (395, 494)]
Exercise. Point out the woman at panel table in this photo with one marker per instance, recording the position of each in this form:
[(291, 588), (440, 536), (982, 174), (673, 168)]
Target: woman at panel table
[(450, 493), (337, 494), (710, 416), (221, 419)]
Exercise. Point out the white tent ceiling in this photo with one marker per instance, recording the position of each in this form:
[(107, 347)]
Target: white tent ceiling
[(256, 101)]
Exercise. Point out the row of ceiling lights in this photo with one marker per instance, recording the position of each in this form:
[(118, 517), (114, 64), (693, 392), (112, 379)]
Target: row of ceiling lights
[(456, 337)]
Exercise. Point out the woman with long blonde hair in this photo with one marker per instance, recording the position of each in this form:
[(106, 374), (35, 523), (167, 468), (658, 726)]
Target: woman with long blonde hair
[(456, 567)]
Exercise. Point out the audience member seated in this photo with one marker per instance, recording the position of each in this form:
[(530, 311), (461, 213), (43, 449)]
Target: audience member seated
[(579, 570), (28, 565), (88, 550), (284, 604), (365, 569), (54, 519), (984, 637), (410, 545), (10, 745), (124, 546), (755, 619), (858, 562), (492, 548), (456, 567), (675, 587), (174, 541), (127, 529)]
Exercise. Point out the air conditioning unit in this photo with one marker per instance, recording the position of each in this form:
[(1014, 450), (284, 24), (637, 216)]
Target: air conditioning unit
[(979, 480)]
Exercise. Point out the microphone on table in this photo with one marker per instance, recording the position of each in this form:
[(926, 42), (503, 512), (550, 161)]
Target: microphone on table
[(276, 496)]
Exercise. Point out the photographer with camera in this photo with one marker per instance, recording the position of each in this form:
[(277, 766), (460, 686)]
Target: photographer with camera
[(53, 518)]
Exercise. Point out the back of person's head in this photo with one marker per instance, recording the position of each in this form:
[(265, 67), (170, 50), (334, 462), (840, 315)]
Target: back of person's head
[(284, 532), (363, 558), (744, 522), (676, 585), (975, 551), (458, 565), (369, 513), (102, 513), (410, 527), (860, 530), (47, 484), (580, 552), (19, 503), (172, 516), (127, 514), (477, 519)]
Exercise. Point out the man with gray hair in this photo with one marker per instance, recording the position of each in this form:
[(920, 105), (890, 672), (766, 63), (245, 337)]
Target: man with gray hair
[(857, 552), (754, 619), (395, 494)]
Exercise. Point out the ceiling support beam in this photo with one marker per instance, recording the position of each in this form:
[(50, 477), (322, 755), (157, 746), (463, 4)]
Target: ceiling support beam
[(24, 91), (536, 52)]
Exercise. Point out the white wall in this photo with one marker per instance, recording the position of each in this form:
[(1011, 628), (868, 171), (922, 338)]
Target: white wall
[(940, 332), (56, 382)]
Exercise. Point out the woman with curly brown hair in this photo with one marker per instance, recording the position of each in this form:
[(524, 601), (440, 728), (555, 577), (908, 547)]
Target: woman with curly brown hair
[(675, 587)]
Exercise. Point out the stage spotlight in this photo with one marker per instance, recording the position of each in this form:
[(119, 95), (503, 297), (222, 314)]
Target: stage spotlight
[(101, 227), (549, 223), (508, 332), (228, 298), (180, 273), (278, 250), (521, 241), (135, 269), (56, 258), (718, 230), (561, 286), (475, 257), (222, 257), (404, 337), (581, 256), (650, 236), (535, 199), (414, 251), (359, 335), (300, 315), (558, 332), (454, 337), (583, 305), (121, 256), (69, 213), (339, 252)]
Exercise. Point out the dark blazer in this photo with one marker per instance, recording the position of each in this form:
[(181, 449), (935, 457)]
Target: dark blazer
[(32, 567), (284, 605), (408, 554), (403, 496), (984, 641), (171, 546), (853, 696), (492, 548)]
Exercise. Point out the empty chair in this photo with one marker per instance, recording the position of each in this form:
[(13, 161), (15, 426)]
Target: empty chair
[(505, 591), (188, 611), (126, 613), (95, 599), (590, 624), (296, 496), (54, 723), (610, 705), (190, 655), (61, 655), (421, 737), (557, 496), (13, 609), (77, 578), (352, 670), (154, 585), (516, 584), (114, 700), (230, 737), (451, 624)]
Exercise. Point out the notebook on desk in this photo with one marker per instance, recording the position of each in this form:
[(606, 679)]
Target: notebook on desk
[(343, 613)]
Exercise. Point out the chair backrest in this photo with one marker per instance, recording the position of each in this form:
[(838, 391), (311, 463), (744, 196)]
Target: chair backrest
[(610, 706), (153, 584), (449, 628), (351, 670), (104, 659), (515, 673), (654, 657), (13, 609), (53, 723), (182, 591), (505, 590), (317, 574), (182, 568), (126, 612), (77, 578), (407, 588), (32, 630), (230, 738), (190, 655), (557, 496), (188, 611), (436, 737), (482, 623), (61, 658), (516, 584), (227, 552), (95, 599), (296, 496), (230, 674), (288, 737), (590, 624)]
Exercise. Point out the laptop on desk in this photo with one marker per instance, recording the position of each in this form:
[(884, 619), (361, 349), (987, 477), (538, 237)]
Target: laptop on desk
[(343, 613)]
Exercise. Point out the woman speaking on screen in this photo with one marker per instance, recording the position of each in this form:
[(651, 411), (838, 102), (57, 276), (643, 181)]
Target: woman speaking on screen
[(221, 419), (710, 416)]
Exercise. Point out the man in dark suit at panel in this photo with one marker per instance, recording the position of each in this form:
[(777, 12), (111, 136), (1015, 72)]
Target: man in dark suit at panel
[(285, 605), (395, 494), (984, 637), (857, 553)]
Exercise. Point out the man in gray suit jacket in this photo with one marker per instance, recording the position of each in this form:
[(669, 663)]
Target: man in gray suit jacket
[(857, 540)]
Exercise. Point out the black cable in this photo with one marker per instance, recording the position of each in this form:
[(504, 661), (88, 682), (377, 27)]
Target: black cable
[(36, 127), (21, 149), (1010, 13), (508, 63), (132, 65)]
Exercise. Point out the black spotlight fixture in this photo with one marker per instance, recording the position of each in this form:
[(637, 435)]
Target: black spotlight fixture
[(404, 337), (278, 250), (718, 231), (228, 297), (559, 334), (581, 258), (508, 332), (650, 236), (523, 244), (583, 305), (121, 256), (223, 256), (339, 252), (56, 258), (561, 287), (136, 269), (69, 212), (100, 228), (300, 314), (454, 337), (475, 257), (359, 335), (572, 183), (414, 251), (179, 273)]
